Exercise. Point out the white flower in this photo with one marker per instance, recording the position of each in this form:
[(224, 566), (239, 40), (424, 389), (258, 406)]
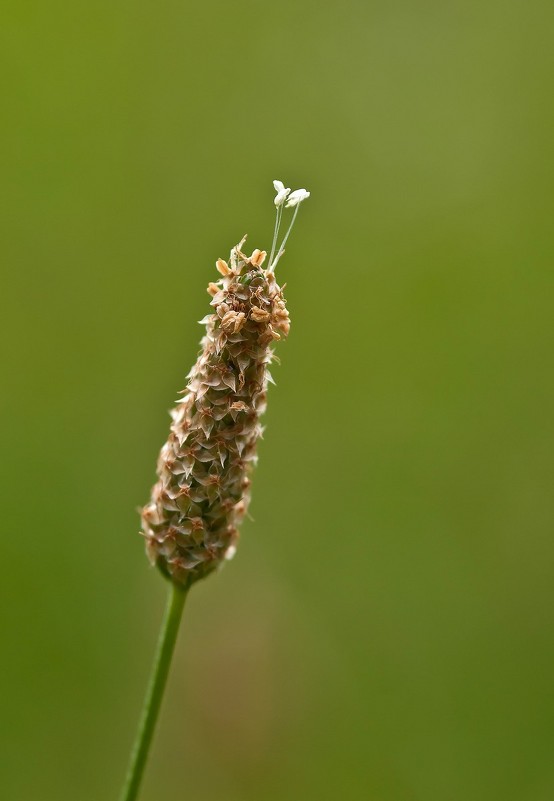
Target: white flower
[(282, 192), (297, 197)]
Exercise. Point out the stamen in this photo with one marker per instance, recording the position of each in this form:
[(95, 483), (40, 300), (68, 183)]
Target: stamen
[(279, 214), (293, 199), (284, 242)]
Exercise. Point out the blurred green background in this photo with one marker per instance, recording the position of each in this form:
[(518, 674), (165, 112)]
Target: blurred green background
[(385, 632)]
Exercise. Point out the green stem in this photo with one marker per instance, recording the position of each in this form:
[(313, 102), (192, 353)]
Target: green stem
[(154, 694)]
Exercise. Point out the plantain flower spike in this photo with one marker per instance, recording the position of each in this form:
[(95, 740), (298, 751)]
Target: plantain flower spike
[(203, 490)]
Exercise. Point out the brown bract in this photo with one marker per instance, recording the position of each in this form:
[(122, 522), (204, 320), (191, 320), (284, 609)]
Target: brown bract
[(203, 488)]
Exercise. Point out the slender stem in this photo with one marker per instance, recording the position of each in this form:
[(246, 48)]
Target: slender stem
[(154, 694), (278, 216), (273, 264)]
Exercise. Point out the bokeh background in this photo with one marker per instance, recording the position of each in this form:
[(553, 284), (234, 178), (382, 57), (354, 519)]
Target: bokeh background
[(385, 632)]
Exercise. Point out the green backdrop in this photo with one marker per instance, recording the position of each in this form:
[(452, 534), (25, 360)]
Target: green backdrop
[(385, 632)]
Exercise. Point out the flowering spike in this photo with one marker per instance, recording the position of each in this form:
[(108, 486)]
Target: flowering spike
[(191, 522)]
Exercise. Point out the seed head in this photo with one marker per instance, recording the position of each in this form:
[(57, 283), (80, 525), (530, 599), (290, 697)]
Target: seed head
[(203, 490)]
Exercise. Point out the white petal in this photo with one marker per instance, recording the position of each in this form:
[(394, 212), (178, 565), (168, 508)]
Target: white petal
[(281, 197), (297, 197), (282, 192)]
